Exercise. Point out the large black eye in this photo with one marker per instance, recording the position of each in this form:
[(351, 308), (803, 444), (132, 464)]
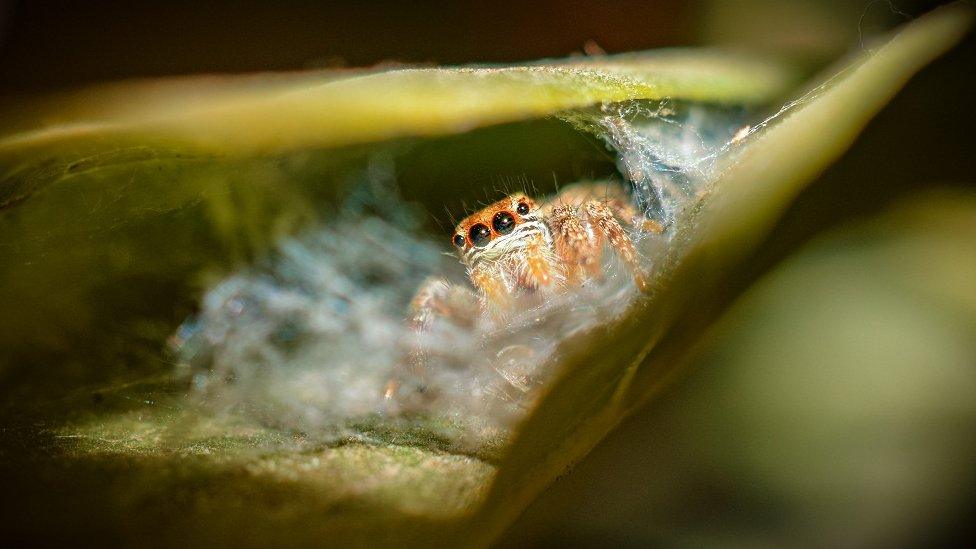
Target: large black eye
[(522, 209), (459, 240), (503, 222), (480, 235)]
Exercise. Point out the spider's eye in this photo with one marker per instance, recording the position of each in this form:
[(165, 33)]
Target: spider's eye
[(480, 235), (522, 209), (503, 222), (459, 240)]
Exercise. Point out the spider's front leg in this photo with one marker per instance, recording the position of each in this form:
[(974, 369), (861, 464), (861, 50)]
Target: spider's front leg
[(602, 218), (576, 246), (436, 298)]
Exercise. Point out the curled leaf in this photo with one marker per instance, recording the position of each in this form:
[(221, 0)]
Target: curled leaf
[(111, 215)]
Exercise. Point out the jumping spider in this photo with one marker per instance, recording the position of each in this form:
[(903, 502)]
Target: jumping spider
[(518, 246)]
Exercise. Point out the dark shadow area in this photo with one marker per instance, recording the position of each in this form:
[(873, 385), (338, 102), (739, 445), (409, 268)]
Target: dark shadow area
[(56, 44)]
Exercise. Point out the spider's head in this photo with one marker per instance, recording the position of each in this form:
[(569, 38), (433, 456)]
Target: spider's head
[(497, 230)]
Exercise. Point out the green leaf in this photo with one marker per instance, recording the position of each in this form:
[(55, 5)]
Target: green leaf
[(285, 113)]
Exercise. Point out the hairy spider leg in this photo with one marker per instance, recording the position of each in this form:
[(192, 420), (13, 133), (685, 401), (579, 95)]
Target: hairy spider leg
[(615, 198), (578, 247), (602, 219), (437, 298)]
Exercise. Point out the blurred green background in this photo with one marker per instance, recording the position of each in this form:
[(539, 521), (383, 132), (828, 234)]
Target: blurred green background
[(834, 402)]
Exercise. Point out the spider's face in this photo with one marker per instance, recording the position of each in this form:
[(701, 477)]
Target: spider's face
[(497, 230)]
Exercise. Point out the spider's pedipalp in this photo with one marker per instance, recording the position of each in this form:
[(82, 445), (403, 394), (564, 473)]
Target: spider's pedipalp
[(494, 293), (539, 263)]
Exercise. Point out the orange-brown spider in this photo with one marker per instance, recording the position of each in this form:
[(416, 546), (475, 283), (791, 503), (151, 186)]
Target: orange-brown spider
[(517, 246)]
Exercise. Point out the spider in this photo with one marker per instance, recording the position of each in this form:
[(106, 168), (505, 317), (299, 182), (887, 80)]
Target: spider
[(518, 246)]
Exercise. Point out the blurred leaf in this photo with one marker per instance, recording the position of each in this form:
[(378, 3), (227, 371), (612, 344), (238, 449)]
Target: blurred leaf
[(616, 373), (830, 406), (334, 109)]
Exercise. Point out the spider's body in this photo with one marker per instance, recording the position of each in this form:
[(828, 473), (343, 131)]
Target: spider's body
[(517, 246)]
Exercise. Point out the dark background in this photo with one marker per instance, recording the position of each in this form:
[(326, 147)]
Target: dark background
[(47, 44), (57, 43)]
